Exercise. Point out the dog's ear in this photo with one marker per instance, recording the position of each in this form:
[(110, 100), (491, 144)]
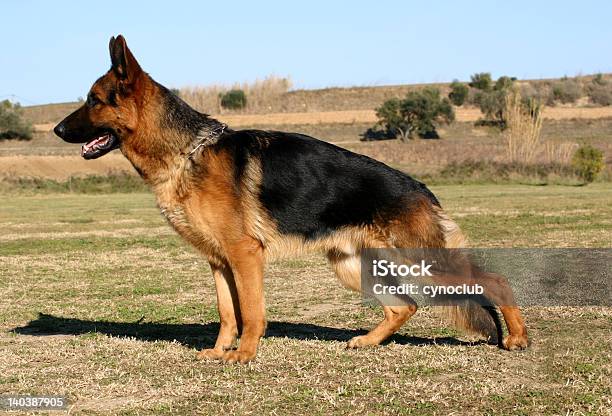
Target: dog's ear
[(123, 62)]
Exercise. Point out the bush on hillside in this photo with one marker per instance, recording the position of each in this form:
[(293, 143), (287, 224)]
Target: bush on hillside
[(233, 100), (567, 91), (600, 92), (599, 79), (601, 95), (459, 93), (503, 83), (12, 123), (540, 92), (481, 81)]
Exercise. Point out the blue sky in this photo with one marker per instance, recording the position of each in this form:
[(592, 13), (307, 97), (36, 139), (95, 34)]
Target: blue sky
[(52, 51)]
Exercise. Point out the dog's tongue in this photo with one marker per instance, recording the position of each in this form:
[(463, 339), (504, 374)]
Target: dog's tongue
[(95, 144)]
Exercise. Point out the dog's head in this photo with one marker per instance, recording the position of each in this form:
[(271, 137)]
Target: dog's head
[(109, 116)]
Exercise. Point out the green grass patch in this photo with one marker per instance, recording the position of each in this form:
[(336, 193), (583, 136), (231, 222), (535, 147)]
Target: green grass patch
[(484, 172), (91, 244), (92, 184)]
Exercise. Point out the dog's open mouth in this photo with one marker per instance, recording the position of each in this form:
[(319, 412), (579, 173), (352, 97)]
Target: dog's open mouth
[(99, 146)]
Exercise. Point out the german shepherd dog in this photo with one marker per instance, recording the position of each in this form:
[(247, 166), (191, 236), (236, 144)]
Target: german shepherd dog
[(242, 197)]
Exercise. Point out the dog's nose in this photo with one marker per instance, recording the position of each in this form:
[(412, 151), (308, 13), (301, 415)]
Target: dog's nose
[(60, 130)]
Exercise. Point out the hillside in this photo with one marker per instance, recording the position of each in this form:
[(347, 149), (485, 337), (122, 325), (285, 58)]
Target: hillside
[(274, 101)]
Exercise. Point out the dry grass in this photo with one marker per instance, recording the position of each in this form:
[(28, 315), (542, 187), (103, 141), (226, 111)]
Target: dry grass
[(523, 128), (49, 157), (368, 116), (62, 167), (261, 95), (523, 134), (558, 152)]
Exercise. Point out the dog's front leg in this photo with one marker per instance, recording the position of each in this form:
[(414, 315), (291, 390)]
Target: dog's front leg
[(229, 312), (247, 262)]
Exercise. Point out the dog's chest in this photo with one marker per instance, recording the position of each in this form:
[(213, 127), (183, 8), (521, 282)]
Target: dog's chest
[(173, 208), (193, 230), (176, 217)]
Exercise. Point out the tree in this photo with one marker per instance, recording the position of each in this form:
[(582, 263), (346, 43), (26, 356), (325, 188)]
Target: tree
[(418, 113), (391, 119), (459, 93), (491, 104), (481, 81), (492, 101)]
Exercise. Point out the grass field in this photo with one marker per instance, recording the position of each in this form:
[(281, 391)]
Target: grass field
[(101, 302)]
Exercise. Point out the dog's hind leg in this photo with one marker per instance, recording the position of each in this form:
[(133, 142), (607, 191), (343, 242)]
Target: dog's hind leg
[(348, 271), (229, 312), (395, 317), (499, 292)]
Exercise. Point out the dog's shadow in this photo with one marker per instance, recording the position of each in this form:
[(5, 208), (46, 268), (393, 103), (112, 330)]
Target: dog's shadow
[(203, 335)]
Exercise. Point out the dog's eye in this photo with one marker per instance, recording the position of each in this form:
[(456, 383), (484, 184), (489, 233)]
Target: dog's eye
[(112, 98), (92, 101)]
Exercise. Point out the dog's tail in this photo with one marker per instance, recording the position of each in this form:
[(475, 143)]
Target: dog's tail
[(468, 315)]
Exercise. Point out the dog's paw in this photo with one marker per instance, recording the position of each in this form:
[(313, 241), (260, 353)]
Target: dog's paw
[(210, 354), (515, 342), (238, 356), (360, 342)]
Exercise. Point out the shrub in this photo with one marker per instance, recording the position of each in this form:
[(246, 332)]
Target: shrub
[(567, 91), (417, 114), (503, 83), (12, 123), (233, 100), (459, 93), (481, 81), (599, 79), (485, 171), (540, 91), (600, 93), (588, 162)]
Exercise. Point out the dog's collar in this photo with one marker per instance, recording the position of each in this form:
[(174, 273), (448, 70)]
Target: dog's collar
[(209, 138)]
